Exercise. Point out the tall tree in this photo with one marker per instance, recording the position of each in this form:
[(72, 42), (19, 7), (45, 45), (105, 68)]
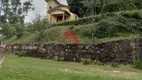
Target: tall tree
[(92, 6), (39, 27), (15, 11), (138, 3), (84, 7), (76, 7)]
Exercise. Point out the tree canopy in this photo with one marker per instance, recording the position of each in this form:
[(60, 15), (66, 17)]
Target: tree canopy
[(91, 7), (14, 11)]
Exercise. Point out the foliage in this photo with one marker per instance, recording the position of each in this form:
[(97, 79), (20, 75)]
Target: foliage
[(19, 53), (138, 64), (85, 7), (10, 30), (119, 5), (105, 29), (115, 64), (111, 25), (20, 29), (56, 58), (76, 7), (138, 3), (81, 21), (89, 7), (15, 10), (118, 25), (134, 14), (98, 63), (86, 61), (39, 27), (93, 6), (7, 30)]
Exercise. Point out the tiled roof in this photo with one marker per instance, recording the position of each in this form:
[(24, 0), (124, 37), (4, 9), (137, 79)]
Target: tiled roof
[(57, 7), (56, 2)]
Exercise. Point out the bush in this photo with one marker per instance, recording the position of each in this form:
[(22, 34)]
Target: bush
[(82, 21), (56, 58), (119, 5), (112, 26), (98, 63), (19, 53), (138, 3), (86, 61), (105, 29), (138, 64), (39, 28), (136, 15), (115, 65)]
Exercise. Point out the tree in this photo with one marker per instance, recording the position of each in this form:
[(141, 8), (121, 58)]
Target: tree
[(138, 3), (92, 6), (76, 7), (15, 11), (7, 30), (85, 7), (39, 27), (119, 5)]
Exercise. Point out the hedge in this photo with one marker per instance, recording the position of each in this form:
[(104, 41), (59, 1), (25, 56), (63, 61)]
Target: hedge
[(87, 20)]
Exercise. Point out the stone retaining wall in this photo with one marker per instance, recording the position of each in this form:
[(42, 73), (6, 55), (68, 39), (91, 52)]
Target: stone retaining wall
[(124, 51)]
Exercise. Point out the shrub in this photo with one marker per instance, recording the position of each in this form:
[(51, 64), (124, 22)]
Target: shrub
[(115, 65), (86, 61), (39, 28), (82, 21), (136, 15), (138, 64), (105, 29), (118, 5), (125, 14), (98, 63), (138, 3), (56, 58), (133, 14), (19, 53), (61, 58)]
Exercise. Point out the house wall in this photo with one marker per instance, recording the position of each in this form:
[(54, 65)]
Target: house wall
[(54, 4), (51, 3), (72, 15)]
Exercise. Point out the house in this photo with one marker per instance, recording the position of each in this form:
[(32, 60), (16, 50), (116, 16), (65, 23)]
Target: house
[(57, 12)]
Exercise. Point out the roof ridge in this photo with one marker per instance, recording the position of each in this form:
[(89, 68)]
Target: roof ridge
[(57, 2), (57, 7)]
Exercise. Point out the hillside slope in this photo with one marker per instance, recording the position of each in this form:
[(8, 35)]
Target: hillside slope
[(94, 29)]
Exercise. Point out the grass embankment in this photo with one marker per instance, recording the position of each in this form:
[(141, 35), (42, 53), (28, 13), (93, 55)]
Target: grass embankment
[(100, 28), (16, 68)]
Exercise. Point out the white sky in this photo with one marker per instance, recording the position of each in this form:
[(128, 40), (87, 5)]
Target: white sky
[(40, 8)]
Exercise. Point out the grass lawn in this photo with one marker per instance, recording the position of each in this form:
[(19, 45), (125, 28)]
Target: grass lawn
[(16, 68)]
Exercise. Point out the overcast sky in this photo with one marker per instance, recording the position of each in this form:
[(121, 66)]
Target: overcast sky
[(40, 8)]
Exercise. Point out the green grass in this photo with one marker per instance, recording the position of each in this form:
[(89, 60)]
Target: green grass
[(16, 68)]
